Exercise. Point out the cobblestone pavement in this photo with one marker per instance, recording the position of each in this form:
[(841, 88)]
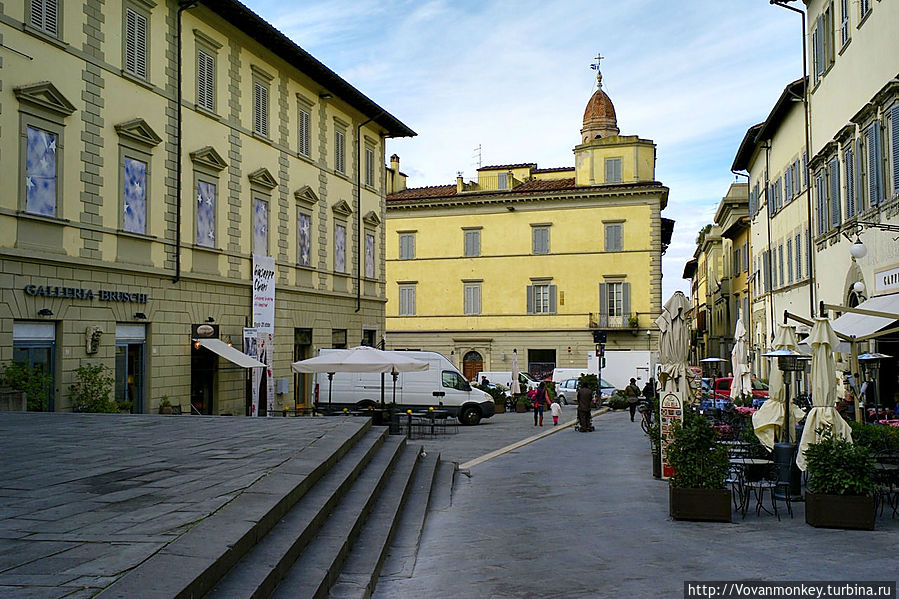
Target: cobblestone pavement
[(576, 515)]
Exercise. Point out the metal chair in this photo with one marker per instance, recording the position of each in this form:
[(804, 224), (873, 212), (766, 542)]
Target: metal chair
[(767, 480), (886, 476)]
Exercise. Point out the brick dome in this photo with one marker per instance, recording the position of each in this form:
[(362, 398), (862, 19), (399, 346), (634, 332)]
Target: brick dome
[(599, 116)]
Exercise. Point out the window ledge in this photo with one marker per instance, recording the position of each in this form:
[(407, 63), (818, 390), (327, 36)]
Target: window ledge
[(305, 267), (205, 248), (262, 138), (306, 158), (141, 236), (42, 218), (44, 36), (206, 112), (343, 176), (135, 79), (846, 45), (864, 18)]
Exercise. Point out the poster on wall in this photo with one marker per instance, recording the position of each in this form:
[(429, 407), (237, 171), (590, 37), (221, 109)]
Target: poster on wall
[(263, 387), (671, 410), (250, 340)]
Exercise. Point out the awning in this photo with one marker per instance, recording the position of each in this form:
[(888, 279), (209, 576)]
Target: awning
[(229, 353), (860, 325)]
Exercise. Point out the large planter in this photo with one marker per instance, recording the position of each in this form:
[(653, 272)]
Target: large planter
[(707, 505), (656, 463), (840, 511), (520, 407)]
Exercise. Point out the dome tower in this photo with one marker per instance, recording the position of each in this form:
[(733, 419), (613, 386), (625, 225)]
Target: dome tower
[(599, 116)]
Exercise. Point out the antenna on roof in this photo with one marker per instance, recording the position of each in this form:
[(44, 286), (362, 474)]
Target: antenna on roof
[(479, 155)]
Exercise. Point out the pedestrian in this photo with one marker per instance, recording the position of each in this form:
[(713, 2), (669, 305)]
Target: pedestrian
[(484, 381), (557, 411), (584, 403), (540, 402), (632, 392), (649, 389)]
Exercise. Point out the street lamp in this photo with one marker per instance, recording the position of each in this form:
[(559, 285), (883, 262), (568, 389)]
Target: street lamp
[(870, 361), (788, 361)]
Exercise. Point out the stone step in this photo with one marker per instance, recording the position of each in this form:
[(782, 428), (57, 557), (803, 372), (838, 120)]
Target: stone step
[(316, 570), (359, 572), (192, 564), (404, 546), (442, 495), (263, 567)]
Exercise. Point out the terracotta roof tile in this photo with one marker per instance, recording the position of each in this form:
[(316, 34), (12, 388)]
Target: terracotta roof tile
[(496, 166), (417, 193)]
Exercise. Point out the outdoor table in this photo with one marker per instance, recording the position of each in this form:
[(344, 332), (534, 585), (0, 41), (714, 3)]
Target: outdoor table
[(431, 415), (751, 461)]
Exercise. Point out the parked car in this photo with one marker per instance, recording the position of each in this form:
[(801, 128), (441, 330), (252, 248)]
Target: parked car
[(716, 392), (566, 391)]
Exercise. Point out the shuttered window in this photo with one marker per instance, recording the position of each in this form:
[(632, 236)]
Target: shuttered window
[(894, 143), (797, 243), (407, 300), (849, 161), (339, 151), (797, 178), (780, 265), (304, 119), (260, 108), (833, 173), (614, 237), (136, 36), (789, 261), (369, 167), (44, 16), (844, 22), (788, 184), (746, 256), (872, 138), (407, 246), (540, 240), (541, 299), (613, 170), (472, 243), (472, 298), (205, 80), (820, 203)]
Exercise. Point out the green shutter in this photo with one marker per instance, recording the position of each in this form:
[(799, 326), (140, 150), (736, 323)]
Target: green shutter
[(603, 304), (530, 293), (626, 299), (552, 299)]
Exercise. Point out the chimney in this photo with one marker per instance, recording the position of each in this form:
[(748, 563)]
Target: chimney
[(395, 164), (460, 184)]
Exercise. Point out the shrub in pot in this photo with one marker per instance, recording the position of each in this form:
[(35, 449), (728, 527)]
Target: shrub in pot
[(92, 389), (696, 488), (840, 491)]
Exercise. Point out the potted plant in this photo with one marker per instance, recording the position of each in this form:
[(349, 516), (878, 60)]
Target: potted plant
[(91, 390), (522, 404), (696, 489), (632, 321), (165, 406), (30, 380), (840, 490)]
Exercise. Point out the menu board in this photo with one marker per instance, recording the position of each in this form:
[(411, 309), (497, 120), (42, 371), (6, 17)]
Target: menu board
[(672, 410)]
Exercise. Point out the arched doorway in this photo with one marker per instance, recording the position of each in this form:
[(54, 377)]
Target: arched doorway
[(472, 364)]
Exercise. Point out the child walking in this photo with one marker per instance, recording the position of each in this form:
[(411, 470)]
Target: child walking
[(557, 411)]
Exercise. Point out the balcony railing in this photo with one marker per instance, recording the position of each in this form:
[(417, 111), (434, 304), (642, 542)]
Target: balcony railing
[(604, 321)]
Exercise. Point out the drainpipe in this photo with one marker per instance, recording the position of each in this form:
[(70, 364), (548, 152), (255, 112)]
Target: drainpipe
[(182, 6), (359, 209), (808, 153)]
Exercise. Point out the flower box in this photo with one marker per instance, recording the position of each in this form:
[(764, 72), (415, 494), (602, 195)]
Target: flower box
[(707, 505), (854, 512)]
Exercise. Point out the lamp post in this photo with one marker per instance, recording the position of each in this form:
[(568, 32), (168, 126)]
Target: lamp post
[(871, 363), (788, 362)]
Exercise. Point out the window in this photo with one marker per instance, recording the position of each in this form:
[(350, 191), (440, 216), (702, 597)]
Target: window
[(833, 172), (864, 7), (736, 260), (746, 256), (369, 255), (338, 338), (614, 303), (894, 145), (472, 298), (453, 380), (844, 22), (502, 181), (304, 246), (206, 214), (613, 170), (41, 171), (339, 151), (540, 235), (614, 233), (407, 246), (369, 166), (260, 227), (788, 184), (872, 139), (798, 246), (136, 38), (339, 248), (44, 15), (472, 243), (849, 161), (541, 298), (789, 260), (821, 202), (780, 265), (205, 80), (407, 300), (260, 108), (134, 196), (304, 124), (797, 178)]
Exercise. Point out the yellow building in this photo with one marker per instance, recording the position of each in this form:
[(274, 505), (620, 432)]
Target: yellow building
[(531, 260), (133, 210), (732, 217)]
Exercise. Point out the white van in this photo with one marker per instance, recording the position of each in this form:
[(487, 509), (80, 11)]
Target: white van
[(441, 386), (504, 377)]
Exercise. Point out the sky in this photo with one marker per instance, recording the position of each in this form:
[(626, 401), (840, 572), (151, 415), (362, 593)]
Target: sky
[(512, 77)]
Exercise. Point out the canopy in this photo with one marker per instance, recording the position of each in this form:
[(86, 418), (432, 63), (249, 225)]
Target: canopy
[(516, 386), (769, 419), (229, 353), (859, 325), (674, 344), (824, 392), (742, 383), (360, 359)]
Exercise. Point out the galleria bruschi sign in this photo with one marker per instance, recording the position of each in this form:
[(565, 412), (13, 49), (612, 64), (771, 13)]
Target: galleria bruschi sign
[(104, 295)]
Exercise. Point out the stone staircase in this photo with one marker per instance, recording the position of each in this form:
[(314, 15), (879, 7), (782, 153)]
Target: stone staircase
[(318, 526)]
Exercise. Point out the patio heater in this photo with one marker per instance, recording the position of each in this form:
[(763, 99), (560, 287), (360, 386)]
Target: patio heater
[(870, 361), (788, 362)]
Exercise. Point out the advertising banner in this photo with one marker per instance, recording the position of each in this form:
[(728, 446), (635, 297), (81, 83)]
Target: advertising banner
[(671, 411), (266, 386), (250, 341), (263, 387)]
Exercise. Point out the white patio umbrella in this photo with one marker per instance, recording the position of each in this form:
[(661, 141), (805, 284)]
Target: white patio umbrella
[(769, 419), (360, 359), (824, 392), (674, 344), (515, 387), (742, 382)]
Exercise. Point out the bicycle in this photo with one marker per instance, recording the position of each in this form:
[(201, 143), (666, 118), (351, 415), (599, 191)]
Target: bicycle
[(645, 409)]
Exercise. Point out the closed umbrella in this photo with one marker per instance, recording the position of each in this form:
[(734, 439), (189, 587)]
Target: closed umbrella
[(360, 359), (824, 392), (515, 387), (742, 383), (769, 419), (674, 344)]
